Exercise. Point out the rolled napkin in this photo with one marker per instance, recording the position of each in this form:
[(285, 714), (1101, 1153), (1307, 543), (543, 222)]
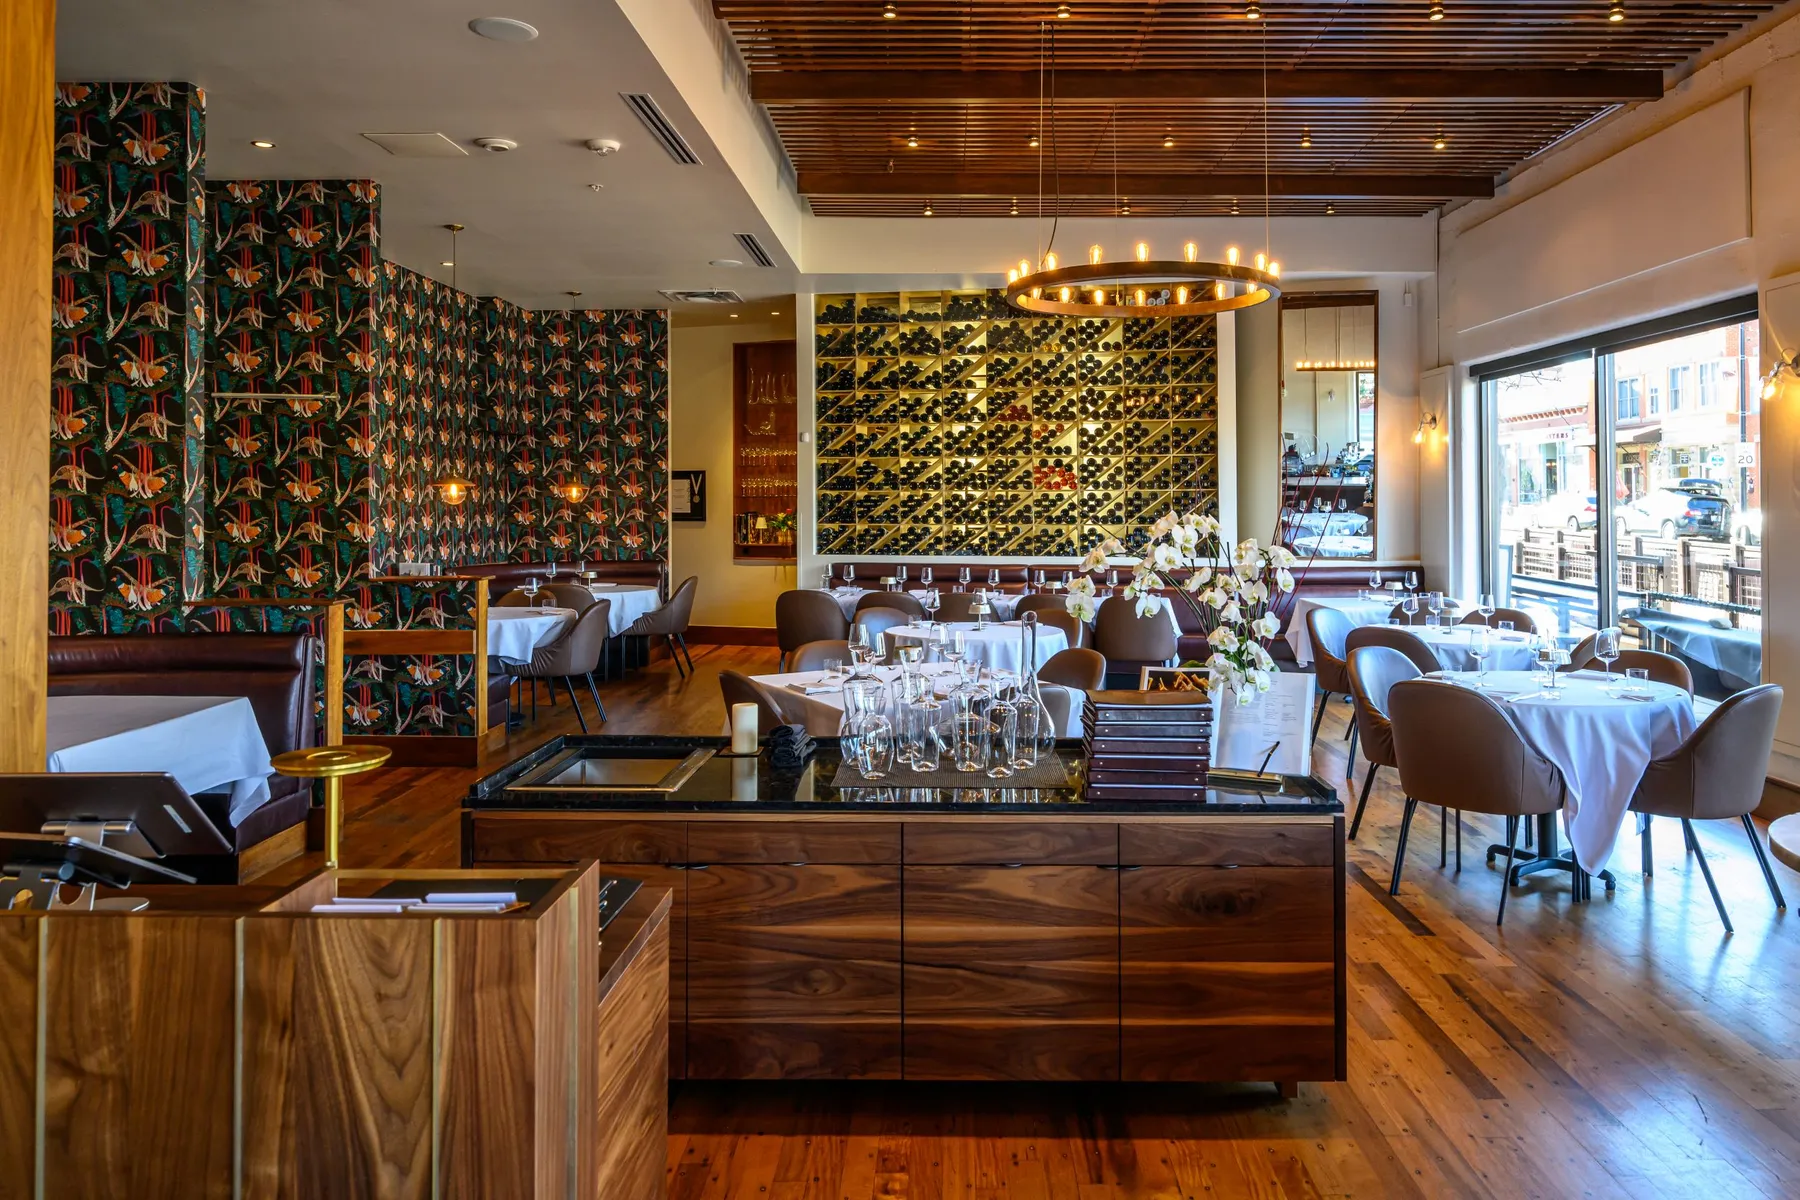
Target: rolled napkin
[(790, 746)]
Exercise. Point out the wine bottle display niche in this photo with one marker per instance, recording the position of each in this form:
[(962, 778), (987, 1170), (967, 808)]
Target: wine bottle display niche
[(951, 424)]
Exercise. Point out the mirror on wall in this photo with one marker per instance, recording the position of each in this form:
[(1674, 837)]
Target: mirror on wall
[(1328, 424)]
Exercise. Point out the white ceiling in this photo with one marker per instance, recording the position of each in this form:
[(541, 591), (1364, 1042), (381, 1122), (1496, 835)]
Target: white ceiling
[(314, 76)]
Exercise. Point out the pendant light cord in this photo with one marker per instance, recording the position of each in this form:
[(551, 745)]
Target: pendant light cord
[(1055, 152), (1040, 148), (1268, 245)]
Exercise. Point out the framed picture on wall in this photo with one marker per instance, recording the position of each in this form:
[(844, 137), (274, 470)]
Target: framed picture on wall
[(687, 495)]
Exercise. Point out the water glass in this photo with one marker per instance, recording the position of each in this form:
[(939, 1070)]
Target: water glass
[(969, 741), (1412, 581), (834, 670), (914, 620), (1637, 679), (873, 742), (1505, 627)]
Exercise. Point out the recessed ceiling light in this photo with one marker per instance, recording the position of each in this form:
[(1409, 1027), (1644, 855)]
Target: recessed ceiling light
[(912, 143), (1306, 139), (262, 144), (447, 263), (890, 12), (734, 316), (503, 29), (774, 312), (726, 262), (1169, 142), (1616, 13), (1062, 12), (1032, 142)]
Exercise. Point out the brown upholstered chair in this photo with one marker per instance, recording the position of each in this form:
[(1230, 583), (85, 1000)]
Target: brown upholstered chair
[(1076, 631), (1717, 774), (669, 621), (1329, 631), (878, 621), (513, 599), (1052, 609), (567, 595), (813, 655), (803, 615), (956, 606), (741, 689), (576, 652), (1394, 638), (1582, 654), (1128, 641), (1522, 620), (1078, 668), (1373, 671), (1459, 749), (1041, 602), (1662, 668), (903, 601)]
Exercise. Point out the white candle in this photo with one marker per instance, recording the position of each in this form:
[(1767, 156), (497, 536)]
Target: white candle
[(743, 780), (743, 728)]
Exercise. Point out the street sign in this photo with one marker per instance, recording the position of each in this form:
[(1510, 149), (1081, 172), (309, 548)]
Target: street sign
[(1745, 454)]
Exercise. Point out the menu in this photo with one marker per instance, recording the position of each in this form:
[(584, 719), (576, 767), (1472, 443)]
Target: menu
[(1271, 732)]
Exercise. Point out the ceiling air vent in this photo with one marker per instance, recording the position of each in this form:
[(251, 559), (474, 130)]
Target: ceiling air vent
[(754, 249), (705, 296), (652, 116), (417, 145)]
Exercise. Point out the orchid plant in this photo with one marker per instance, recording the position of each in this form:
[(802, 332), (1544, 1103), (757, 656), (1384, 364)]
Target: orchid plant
[(1232, 591)]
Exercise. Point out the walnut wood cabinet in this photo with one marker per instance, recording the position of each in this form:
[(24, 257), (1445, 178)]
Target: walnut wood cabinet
[(983, 947)]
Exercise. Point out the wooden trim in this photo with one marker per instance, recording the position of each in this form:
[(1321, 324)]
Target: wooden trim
[(481, 668), (27, 131), (271, 852), (1158, 87), (944, 185), (411, 641), (419, 751), (730, 635), (334, 674)]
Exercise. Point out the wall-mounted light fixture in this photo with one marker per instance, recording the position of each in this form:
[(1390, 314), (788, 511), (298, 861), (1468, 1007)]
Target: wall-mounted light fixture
[(1428, 421), (1771, 382), (453, 489)]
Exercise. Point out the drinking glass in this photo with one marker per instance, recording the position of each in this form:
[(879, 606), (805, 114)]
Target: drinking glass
[(859, 647), (1486, 607), (1606, 648), (825, 582), (1039, 576), (1550, 656), (968, 741), (1505, 627), (1479, 649), (834, 670), (1637, 679), (1435, 602), (849, 573), (900, 576), (873, 743), (531, 590), (1410, 606), (552, 571), (993, 576), (930, 602), (1068, 578), (1374, 581), (1112, 579), (1003, 730), (1412, 581), (925, 576), (962, 579), (915, 620)]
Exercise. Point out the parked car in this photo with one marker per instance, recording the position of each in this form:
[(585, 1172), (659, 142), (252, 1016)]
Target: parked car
[(1569, 510), (1690, 508)]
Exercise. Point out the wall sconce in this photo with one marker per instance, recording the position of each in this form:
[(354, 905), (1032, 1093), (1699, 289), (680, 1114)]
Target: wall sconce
[(1428, 421), (453, 489), (1771, 383), (573, 491)]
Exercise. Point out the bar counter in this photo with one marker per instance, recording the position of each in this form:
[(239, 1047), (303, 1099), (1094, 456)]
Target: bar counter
[(979, 932)]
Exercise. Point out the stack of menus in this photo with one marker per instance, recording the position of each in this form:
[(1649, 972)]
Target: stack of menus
[(1147, 745)]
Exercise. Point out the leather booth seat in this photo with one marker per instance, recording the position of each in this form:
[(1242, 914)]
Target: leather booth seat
[(506, 576), (274, 671)]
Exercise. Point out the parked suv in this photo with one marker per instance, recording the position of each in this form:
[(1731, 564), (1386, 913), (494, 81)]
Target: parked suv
[(1691, 508)]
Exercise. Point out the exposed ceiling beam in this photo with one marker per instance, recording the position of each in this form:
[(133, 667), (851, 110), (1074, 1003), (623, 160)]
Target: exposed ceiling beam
[(1162, 87), (974, 184)]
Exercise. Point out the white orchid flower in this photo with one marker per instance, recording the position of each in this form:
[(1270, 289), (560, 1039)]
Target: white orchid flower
[(1231, 614), (1284, 579), (1081, 585), (1267, 626), (1081, 606), (1224, 639), (1166, 557), (1164, 524)]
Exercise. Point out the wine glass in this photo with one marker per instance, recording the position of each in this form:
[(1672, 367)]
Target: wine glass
[(900, 577), (1434, 601), (825, 580), (552, 571), (1606, 648), (994, 577), (954, 649), (1486, 607), (1068, 578), (1038, 577), (1375, 581), (531, 590), (849, 573), (925, 576), (1550, 657), (962, 579), (859, 648), (1410, 606), (1479, 649), (1412, 581), (929, 602), (1112, 578)]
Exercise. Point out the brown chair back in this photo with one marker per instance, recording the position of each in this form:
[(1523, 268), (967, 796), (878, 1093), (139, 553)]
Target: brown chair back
[(1083, 670), (1458, 749), (1329, 630), (1076, 631), (1719, 771), (954, 606), (880, 620), (1373, 671), (1661, 668), (1040, 602), (672, 616), (1522, 620), (1057, 703), (577, 651), (1120, 635), (902, 601), (1583, 653), (741, 689), (569, 595), (813, 655), (803, 616), (1394, 638), (513, 599)]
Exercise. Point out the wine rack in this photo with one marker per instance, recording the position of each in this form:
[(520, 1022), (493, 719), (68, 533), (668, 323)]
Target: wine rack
[(949, 423)]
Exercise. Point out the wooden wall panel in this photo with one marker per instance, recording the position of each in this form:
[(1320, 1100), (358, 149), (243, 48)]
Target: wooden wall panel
[(27, 120), (631, 1077), (488, 1002), (133, 1009), (18, 1056)]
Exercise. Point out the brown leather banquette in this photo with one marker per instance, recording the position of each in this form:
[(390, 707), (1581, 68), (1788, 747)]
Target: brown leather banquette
[(506, 576), (274, 671)]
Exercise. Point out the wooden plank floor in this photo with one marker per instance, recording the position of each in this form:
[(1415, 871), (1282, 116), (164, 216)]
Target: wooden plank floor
[(1625, 1047)]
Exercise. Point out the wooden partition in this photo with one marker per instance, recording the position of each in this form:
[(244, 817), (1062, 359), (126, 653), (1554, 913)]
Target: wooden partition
[(229, 1043), (420, 641)]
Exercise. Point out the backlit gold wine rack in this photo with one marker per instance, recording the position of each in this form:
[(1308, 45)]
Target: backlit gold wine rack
[(950, 424)]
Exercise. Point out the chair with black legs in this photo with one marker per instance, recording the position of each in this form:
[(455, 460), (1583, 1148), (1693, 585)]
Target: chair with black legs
[(1329, 630), (1717, 774), (1458, 749), (670, 622), (576, 653), (1374, 670)]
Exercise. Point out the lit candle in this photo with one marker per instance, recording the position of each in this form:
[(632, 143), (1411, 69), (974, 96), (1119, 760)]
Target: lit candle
[(743, 728)]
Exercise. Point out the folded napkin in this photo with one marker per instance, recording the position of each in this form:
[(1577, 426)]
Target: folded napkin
[(1637, 697), (1584, 673), (789, 746), (815, 689)]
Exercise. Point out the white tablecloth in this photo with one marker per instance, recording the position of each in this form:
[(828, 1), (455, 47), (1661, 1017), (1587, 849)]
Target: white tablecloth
[(514, 633), (629, 602), (1451, 645), (1601, 743), (824, 710), (1360, 612), (208, 743), (1003, 603), (997, 646)]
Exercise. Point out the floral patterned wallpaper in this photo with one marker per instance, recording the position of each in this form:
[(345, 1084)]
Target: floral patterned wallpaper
[(293, 270), (128, 419)]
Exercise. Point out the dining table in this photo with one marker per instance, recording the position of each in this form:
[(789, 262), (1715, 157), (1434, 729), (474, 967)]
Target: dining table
[(1003, 603), (208, 743), (1454, 646), (1361, 610), (996, 645), (627, 602), (820, 694), (514, 634), (1601, 732)]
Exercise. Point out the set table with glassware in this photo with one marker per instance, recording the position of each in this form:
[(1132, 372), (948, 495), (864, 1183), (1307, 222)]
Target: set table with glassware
[(514, 634)]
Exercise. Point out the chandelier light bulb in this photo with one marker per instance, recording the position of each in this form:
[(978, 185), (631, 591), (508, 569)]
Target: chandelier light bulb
[(1094, 255), (1143, 251), (1050, 261), (1231, 255), (1275, 269), (1138, 296), (1024, 267), (1262, 260), (1191, 252), (1012, 276), (1065, 294), (1099, 295), (1181, 295), (1219, 289)]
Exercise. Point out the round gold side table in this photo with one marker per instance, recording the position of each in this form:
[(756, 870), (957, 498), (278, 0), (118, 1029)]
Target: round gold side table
[(331, 763)]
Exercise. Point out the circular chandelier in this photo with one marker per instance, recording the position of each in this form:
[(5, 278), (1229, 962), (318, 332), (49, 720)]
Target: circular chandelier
[(1142, 286)]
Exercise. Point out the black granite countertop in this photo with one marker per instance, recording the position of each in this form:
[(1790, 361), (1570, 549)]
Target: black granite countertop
[(725, 783)]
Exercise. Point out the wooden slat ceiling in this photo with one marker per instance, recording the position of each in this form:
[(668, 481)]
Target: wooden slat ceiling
[(1362, 92)]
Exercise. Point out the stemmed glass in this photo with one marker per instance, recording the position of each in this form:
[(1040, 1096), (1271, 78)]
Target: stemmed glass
[(825, 580), (1038, 575), (1606, 648), (1375, 582), (1486, 608), (531, 590), (1550, 656), (953, 650), (900, 577), (1479, 649), (859, 648), (552, 571), (1410, 606), (994, 577), (1068, 578), (925, 576), (929, 602), (962, 579), (1412, 581), (1435, 602), (849, 573)]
